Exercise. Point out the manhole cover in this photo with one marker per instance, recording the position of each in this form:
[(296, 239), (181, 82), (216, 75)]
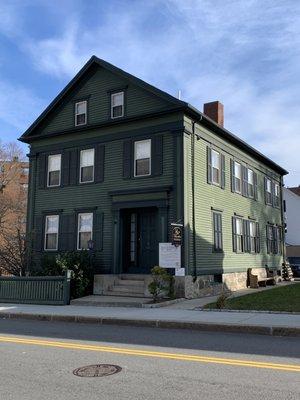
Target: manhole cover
[(94, 371)]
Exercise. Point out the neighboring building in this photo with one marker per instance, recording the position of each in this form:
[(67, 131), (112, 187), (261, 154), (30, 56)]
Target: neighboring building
[(116, 161), (292, 214), (13, 199)]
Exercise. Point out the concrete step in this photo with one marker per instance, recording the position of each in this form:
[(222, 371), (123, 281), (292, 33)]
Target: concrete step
[(111, 301), (128, 289), (123, 294), (130, 282), (133, 277)]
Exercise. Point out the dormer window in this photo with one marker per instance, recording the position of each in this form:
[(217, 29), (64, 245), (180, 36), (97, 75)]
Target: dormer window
[(80, 113), (117, 105)]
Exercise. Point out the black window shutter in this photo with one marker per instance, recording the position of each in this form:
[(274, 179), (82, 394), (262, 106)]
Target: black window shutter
[(209, 166), (222, 171), (74, 167), (234, 244), (232, 175), (220, 231), (215, 228), (273, 193), (68, 235), (39, 229), (99, 163), (255, 186), (265, 185), (246, 235), (65, 168), (268, 241), (275, 240), (157, 155), (127, 159), (244, 181), (98, 231), (257, 238), (42, 171)]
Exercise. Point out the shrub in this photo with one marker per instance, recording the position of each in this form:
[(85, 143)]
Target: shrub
[(221, 300), (81, 266), (162, 284)]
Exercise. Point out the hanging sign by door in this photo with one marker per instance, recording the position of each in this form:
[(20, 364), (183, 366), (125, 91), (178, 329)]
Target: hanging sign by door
[(176, 231)]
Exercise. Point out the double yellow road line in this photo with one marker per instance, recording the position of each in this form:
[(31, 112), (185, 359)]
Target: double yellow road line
[(155, 354)]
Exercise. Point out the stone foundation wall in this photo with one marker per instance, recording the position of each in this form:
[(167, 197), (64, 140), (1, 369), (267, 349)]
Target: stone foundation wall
[(185, 286)]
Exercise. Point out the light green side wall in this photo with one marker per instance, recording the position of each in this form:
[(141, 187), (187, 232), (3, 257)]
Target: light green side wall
[(208, 196)]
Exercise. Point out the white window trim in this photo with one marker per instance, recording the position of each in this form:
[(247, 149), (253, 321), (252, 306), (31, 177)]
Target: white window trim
[(150, 158), (111, 105), (48, 172), (80, 167), (237, 177), (212, 168), (249, 183), (45, 235), (81, 102), (78, 225)]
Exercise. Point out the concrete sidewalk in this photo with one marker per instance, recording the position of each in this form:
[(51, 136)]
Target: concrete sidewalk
[(177, 318)]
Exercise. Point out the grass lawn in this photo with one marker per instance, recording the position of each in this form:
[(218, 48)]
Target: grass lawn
[(286, 298)]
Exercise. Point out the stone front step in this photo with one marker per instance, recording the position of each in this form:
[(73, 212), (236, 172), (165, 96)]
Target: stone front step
[(123, 294), (128, 289), (131, 282)]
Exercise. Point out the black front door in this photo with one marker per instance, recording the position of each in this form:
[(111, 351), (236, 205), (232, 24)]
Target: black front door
[(140, 249)]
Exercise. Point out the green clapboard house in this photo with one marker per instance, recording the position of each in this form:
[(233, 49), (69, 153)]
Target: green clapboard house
[(115, 161)]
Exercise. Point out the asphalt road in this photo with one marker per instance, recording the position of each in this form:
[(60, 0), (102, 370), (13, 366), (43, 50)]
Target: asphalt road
[(37, 360)]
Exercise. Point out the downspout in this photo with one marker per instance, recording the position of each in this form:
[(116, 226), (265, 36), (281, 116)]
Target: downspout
[(193, 200)]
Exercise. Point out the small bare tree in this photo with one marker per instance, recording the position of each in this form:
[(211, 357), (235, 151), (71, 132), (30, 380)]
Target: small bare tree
[(13, 199)]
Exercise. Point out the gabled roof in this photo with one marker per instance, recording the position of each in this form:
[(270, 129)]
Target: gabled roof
[(175, 103), (295, 190)]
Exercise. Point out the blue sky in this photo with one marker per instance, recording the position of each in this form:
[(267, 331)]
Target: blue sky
[(244, 53)]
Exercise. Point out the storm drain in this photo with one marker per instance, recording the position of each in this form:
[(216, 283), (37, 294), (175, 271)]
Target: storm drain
[(95, 371)]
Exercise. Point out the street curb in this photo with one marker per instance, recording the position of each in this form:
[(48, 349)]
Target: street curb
[(196, 326)]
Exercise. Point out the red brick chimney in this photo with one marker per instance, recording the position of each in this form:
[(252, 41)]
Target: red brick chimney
[(215, 111)]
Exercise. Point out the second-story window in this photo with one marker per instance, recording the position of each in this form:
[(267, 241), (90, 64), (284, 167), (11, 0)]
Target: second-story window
[(87, 160), (277, 196), (85, 230), (142, 158), (80, 113), (117, 105), (215, 164), (237, 177), (268, 189), (51, 232), (54, 170), (250, 180)]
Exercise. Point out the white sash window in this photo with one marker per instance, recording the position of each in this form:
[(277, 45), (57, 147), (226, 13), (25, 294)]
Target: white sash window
[(85, 230), (54, 170), (51, 232), (87, 161)]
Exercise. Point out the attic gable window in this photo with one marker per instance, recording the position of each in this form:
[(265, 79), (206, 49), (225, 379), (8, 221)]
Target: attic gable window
[(117, 105), (80, 113)]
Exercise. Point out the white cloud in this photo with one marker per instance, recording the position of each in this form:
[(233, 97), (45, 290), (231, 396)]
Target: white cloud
[(244, 54), (18, 106)]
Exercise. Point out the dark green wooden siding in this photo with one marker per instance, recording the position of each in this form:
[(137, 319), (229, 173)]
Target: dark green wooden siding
[(96, 90), (72, 197)]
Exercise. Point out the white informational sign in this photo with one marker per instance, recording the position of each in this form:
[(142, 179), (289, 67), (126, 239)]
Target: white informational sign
[(169, 256), (180, 272)]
